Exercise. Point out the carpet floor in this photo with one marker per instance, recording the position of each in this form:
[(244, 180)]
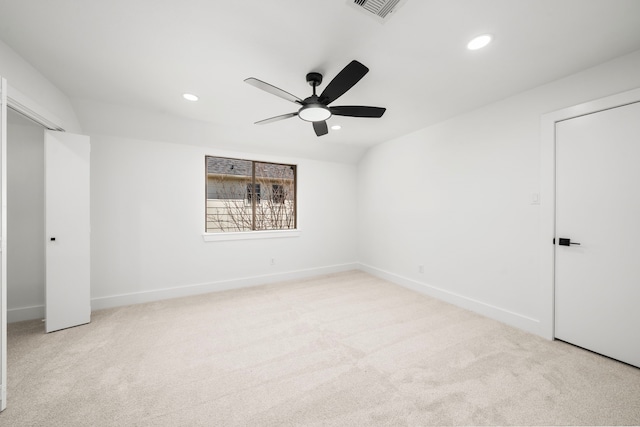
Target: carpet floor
[(346, 349)]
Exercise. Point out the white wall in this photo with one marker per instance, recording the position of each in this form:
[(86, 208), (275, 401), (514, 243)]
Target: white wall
[(148, 201), (456, 198), (35, 91), (25, 219)]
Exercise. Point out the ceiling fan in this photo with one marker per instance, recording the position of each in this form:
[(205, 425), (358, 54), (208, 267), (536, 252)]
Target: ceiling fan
[(315, 109)]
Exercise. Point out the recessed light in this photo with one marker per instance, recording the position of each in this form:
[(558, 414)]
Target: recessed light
[(189, 97), (479, 42), (336, 127)]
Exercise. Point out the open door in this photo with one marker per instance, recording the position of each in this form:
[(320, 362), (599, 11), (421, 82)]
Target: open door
[(67, 230), (3, 244)]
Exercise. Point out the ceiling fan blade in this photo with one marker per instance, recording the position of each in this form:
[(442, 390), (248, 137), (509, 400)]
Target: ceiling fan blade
[(357, 111), (276, 118), (345, 80), (273, 90), (320, 128)]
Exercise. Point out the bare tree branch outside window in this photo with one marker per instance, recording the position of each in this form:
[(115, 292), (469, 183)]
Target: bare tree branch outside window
[(243, 195)]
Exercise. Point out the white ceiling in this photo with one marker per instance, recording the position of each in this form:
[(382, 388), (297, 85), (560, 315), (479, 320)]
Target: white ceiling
[(144, 54)]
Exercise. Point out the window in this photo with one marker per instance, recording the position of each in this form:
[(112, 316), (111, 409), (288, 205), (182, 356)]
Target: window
[(244, 195), (277, 193), (253, 190)]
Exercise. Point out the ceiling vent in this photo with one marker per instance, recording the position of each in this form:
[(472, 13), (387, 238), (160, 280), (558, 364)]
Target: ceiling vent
[(380, 10)]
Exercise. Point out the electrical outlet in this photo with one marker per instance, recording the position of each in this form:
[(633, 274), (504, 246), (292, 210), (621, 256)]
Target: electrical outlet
[(421, 269), (273, 261)]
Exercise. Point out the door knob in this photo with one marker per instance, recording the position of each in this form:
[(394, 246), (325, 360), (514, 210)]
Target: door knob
[(566, 242)]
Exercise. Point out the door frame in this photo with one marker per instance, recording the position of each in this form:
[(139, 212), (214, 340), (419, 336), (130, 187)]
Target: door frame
[(3, 244), (548, 195), (15, 100)]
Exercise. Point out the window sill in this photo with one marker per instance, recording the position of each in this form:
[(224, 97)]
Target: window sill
[(250, 235)]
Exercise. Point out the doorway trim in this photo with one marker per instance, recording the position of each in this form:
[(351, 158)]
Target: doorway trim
[(16, 101), (23, 105), (3, 244), (548, 194)]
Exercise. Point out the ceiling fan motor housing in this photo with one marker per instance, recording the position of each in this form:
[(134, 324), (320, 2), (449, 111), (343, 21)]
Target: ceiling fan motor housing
[(312, 109), (314, 79)]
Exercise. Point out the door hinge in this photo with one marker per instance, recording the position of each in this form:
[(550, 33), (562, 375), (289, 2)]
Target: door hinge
[(554, 240)]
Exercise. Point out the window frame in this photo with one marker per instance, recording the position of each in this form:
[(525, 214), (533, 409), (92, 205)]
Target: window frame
[(253, 233)]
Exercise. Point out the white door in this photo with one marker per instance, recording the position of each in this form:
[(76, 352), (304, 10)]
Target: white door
[(597, 276), (67, 230), (3, 244)]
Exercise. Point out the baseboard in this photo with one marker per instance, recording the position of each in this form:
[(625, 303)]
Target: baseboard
[(500, 314), (510, 318), (223, 285), (25, 313)]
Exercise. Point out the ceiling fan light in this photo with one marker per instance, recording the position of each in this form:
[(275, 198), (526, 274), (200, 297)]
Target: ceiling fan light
[(314, 113)]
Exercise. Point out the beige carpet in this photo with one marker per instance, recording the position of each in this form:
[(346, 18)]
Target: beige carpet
[(342, 350)]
